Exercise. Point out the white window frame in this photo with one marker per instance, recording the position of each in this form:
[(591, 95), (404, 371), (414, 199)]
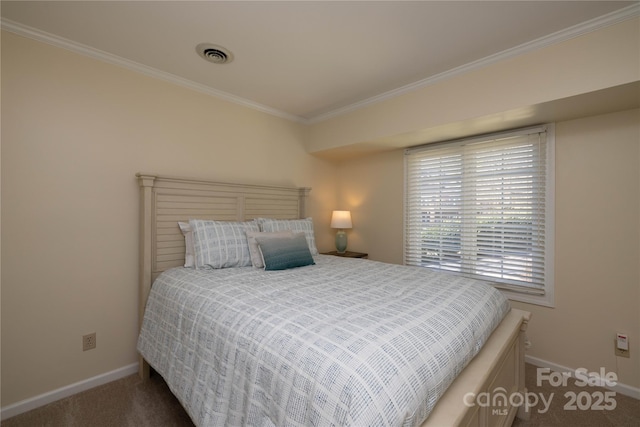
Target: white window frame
[(512, 291)]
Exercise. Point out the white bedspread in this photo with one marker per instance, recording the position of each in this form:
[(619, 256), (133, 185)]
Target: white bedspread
[(345, 342)]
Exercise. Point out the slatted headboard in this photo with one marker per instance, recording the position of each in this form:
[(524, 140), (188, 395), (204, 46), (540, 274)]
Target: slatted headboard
[(166, 200)]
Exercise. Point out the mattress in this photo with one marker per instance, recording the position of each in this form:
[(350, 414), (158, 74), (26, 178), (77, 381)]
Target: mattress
[(344, 342)]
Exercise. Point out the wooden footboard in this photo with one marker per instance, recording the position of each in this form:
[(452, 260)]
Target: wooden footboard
[(482, 393)]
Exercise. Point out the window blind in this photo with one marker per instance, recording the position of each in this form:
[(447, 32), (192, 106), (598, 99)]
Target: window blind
[(480, 207)]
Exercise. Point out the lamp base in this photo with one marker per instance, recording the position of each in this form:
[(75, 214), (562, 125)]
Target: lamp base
[(341, 241)]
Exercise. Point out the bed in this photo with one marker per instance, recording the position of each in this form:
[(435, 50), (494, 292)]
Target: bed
[(303, 346)]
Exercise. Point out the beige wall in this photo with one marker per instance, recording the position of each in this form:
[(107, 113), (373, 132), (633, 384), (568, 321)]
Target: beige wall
[(74, 133), (597, 239), (76, 130), (597, 247)]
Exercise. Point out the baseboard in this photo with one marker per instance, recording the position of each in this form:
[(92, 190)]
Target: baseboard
[(46, 398), (624, 389)]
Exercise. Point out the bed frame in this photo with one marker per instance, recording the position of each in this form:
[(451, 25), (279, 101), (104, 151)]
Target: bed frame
[(497, 370)]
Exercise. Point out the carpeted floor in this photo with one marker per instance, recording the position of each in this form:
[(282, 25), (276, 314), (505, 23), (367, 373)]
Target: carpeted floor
[(133, 402), (127, 402)]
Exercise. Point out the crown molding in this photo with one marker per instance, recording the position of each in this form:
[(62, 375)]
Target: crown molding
[(560, 36), (61, 42), (557, 37)]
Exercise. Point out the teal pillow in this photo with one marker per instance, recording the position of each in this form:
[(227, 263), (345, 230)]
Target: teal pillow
[(285, 252)]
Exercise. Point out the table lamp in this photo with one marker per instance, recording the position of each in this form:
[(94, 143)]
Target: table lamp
[(341, 220)]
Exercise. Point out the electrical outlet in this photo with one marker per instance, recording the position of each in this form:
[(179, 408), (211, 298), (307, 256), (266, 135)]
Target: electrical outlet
[(619, 351), (88, 341)]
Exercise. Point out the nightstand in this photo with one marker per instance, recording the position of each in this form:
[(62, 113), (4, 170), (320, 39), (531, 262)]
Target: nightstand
[(347, 254)]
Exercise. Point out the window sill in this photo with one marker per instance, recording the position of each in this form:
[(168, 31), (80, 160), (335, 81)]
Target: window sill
[(545, 300)]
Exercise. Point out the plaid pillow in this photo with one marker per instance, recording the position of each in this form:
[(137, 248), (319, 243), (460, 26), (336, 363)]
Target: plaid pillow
[(295, 225), (221, 244)]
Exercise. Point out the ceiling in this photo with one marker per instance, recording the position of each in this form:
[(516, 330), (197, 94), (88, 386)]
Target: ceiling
[(306, 60)]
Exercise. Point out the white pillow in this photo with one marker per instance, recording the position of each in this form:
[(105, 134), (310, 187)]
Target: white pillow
[(221, 244), (303, 225), (189, 251), (254, 251)]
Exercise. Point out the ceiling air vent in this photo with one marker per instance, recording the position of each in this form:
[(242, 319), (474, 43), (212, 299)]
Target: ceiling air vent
[(214, 53)]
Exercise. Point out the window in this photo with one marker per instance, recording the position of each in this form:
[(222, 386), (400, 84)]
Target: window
[(483, 207)]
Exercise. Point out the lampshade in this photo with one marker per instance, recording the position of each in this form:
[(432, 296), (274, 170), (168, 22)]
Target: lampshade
[(341, 219)]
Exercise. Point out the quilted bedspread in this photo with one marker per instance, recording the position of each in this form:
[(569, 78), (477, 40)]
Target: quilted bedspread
[(345, 342)]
